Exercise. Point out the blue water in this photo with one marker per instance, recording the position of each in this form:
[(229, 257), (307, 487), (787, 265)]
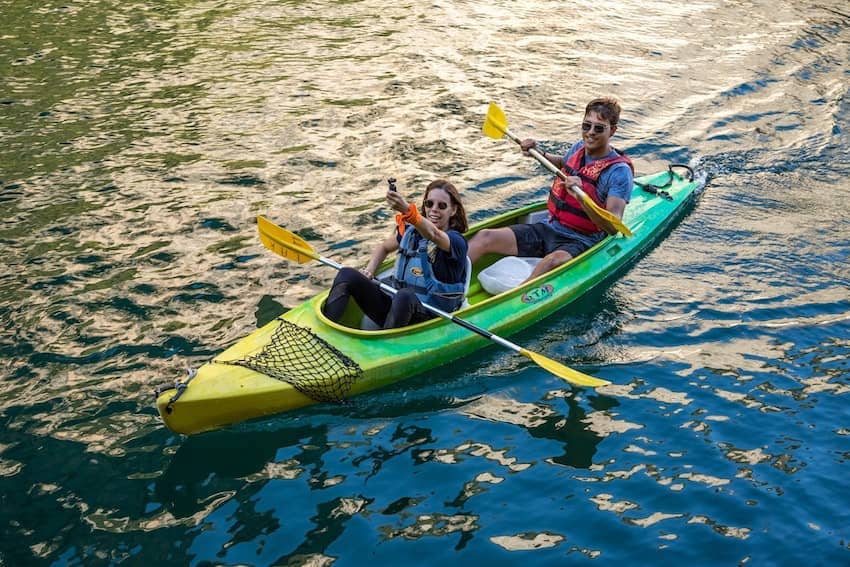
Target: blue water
[(139, 141)]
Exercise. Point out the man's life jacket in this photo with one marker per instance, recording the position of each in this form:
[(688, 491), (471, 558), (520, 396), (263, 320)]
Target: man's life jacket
[(413, 269), (566, 208)]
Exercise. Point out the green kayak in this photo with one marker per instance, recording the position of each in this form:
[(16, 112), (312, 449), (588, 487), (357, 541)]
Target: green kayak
[(302, 358)]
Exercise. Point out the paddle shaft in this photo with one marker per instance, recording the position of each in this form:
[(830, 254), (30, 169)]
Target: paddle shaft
[(546, 163)]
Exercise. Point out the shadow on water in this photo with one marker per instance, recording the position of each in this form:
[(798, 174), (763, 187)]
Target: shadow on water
[(246, 467), (206, 464), (580, 441)]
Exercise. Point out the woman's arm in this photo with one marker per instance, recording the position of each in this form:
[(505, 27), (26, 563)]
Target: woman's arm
[(428, 230), (425, 227), (380, 253)]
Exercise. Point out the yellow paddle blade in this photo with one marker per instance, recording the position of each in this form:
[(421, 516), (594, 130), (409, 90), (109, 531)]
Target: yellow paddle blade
[(605, 214), (496, 123), (284, 243), (569, 374)]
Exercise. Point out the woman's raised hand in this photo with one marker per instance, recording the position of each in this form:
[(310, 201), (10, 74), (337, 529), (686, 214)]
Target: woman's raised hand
[(397, 202)]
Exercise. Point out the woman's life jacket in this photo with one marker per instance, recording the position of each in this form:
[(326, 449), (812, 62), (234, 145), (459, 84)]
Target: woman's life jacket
[(413, 269), (566, 208)]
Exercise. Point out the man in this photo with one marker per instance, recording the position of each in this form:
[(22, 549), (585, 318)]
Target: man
[(604, 173)]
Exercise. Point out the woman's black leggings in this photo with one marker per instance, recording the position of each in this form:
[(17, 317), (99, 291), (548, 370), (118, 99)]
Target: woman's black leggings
[(404, 308)]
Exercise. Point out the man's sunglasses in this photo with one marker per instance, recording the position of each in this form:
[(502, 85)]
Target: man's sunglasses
[(441, 205), (597, 128)]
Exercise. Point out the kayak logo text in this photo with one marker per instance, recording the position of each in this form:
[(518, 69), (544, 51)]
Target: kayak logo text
[(538, 294)]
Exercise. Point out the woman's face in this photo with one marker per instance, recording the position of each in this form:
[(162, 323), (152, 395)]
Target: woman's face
[(439, 208)]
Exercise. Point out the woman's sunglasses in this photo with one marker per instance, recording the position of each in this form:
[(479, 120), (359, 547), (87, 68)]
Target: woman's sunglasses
[(597, 128), (441, 205)]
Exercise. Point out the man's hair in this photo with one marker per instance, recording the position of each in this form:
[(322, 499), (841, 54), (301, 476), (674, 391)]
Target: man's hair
[(607, 107)]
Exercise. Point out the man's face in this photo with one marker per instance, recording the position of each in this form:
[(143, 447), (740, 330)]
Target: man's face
[(595, 132)]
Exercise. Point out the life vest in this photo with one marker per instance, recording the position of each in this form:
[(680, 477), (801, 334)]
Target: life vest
[(566, 208), (413, 269)]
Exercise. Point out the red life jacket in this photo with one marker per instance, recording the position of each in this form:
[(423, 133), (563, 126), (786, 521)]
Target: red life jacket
[(566, 208)]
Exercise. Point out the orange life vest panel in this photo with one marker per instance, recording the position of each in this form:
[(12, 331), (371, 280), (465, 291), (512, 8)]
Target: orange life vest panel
[(566, 208)]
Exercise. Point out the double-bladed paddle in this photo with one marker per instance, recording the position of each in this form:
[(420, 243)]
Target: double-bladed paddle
[(292, 247), (496, 126)]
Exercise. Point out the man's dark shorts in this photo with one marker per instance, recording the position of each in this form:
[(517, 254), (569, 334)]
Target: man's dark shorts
[(539, 239)]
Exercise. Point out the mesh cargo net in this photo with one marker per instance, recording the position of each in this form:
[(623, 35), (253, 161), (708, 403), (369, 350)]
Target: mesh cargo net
[(299, 357)]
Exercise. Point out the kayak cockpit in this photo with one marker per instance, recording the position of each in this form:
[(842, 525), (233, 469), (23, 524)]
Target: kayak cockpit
[(499, 274)]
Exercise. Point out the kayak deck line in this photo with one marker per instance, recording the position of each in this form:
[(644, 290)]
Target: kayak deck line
[(302, 358)]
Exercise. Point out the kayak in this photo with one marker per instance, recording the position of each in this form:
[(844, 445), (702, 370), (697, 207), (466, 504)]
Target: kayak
[(302, 358)]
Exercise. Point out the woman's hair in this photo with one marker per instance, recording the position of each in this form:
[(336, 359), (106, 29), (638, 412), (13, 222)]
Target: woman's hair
[(606, 107), (458, 220)]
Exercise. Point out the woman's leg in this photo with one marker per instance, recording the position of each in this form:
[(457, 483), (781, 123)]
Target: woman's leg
[(406, 309), (350, 283)]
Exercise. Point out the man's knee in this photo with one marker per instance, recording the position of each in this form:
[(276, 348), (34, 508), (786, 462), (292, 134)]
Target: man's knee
[(486, 241), (549, 262), (557, 258), (479, 243)]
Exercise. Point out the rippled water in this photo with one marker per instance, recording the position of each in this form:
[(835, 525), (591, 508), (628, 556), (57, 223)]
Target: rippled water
[(139, 140)]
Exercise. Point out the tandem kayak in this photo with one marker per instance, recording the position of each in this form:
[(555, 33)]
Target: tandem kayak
[(302, 358)]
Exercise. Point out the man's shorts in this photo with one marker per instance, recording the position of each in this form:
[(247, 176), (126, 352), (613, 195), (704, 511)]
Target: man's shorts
[(540, 239)]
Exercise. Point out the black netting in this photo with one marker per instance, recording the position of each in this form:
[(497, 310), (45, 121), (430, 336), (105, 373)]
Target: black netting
[(299, 357)]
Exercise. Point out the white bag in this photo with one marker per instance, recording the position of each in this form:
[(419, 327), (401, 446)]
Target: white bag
[(506, 274)]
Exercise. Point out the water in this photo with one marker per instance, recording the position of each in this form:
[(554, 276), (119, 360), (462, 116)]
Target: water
[(140, 140)]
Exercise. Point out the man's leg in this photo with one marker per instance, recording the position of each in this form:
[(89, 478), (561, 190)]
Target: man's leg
[(550, 262), (563, 249), (495, 240)]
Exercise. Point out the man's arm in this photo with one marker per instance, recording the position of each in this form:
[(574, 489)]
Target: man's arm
[(613, 205), (619, 192)]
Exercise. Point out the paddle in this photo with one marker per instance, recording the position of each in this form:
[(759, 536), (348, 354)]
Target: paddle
[(496, 126), (292, 247)]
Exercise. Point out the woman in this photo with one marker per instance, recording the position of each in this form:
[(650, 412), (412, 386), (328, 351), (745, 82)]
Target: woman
[(431, 267)]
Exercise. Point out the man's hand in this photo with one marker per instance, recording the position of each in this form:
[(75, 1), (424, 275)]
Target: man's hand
[(526, 145)]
